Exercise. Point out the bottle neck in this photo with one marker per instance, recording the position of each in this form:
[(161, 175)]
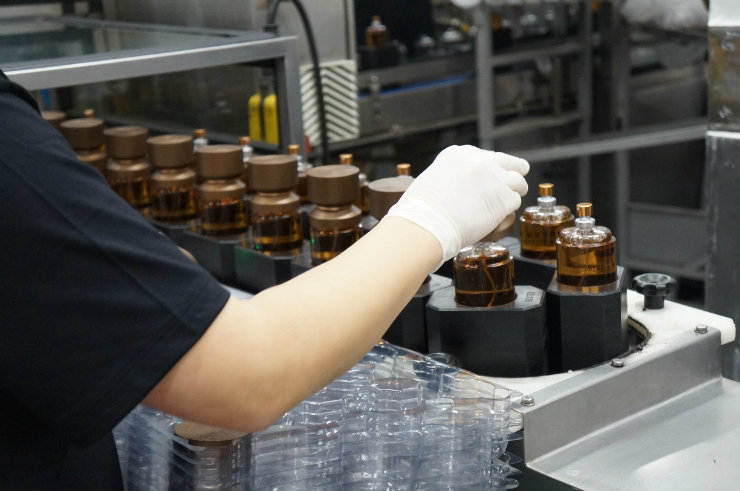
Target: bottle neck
[(585, 223), (546, 203)]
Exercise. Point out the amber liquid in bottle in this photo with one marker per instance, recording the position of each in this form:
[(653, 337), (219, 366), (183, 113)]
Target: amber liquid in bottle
[(223, 217), (277, 233), (586, 253), (328, 244), (174, 204), (484, 275), (540, 225), (135, 191)]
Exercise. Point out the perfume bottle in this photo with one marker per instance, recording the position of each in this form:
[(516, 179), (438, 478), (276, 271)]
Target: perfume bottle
[(384, 193), (586, 253), (54, 118), (335, 221), (377, 34), (221, 195), (540, 225), (127, 169), (276, 223), (363, 199), (247, 151), (301, 188), (172, 184), (85, 135), (199, 139), (484, 275)]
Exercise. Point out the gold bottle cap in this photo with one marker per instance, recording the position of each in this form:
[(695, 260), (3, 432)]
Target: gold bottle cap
[(199, 133), (126, 142), (375, 18), (219, 161), (294, 149), (546, 189), (54, 118), (584, 209), (384, 193), (245, 141), (83, 133), (272, 173), (170, 151), (403, 169), (206, 436), (89, 113), (333, 185), (345, 159)]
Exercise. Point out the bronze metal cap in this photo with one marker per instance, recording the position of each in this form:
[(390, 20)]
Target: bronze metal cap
[(170, 151), (206, 436), (346, 159), (54, 118), (385, 193), (294, 149), (215, 190), (334, 218), (219, 161), (546, 189), (127, 169), (244, 141), (88, 113), (126, 142), (199, 133), (403, 169), (172, 178), (83, 133), (272, 173), (333, 185), (584, 209)]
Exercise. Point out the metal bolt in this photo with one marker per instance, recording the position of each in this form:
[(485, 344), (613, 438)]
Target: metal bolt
[(617, 363), (701, 329), (527, 401)]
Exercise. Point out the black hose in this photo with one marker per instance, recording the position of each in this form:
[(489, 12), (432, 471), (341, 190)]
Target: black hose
[(271, 26)]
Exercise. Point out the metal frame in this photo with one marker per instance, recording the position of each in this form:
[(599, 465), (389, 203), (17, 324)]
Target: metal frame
[(209, 48)]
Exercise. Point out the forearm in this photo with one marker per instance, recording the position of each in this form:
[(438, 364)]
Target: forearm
[(289, 341)]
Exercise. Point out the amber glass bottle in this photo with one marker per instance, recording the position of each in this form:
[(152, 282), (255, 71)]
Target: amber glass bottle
[(276, 223), (384, 193), (586, 253), (221, 195), (127, 169), (85, 135), (335, 221), (172, 184), (484, 275), (377, 34), (301, 188), (54, 118), (363, 199), (540, 225)]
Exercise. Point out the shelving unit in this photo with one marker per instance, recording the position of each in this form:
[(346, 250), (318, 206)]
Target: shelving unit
[(488, 58), (72, 51)]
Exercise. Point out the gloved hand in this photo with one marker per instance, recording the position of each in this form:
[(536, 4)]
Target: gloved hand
[(463, 195)]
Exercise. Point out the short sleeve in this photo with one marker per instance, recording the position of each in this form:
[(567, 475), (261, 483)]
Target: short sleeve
[(96, 305)]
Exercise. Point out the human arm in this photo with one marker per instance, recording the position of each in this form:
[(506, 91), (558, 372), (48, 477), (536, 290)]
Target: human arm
[(261, 357)]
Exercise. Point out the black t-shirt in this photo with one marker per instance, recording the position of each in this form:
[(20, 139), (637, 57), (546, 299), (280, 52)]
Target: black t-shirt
[(95, 307)]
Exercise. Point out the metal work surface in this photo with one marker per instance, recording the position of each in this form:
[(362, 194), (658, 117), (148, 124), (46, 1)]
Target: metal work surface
[(660, 418)]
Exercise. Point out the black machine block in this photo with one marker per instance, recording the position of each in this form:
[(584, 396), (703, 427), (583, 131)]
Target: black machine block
[(256, 271), (504, 341), (215, 254), (587, 325), (533, 272), (302, 262), (409, 329)]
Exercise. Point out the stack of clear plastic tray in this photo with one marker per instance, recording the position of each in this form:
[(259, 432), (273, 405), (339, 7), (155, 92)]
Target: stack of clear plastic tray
[(304, 451), (396, 420), (149, 437)]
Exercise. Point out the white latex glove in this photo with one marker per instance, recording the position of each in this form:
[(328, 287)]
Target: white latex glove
[(463, 195)]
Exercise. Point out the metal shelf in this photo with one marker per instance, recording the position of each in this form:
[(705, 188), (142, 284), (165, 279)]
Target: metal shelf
[(71, 51)]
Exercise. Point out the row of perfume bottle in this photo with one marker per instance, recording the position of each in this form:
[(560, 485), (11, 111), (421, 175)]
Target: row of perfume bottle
[(585, 253), (228, 188)]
